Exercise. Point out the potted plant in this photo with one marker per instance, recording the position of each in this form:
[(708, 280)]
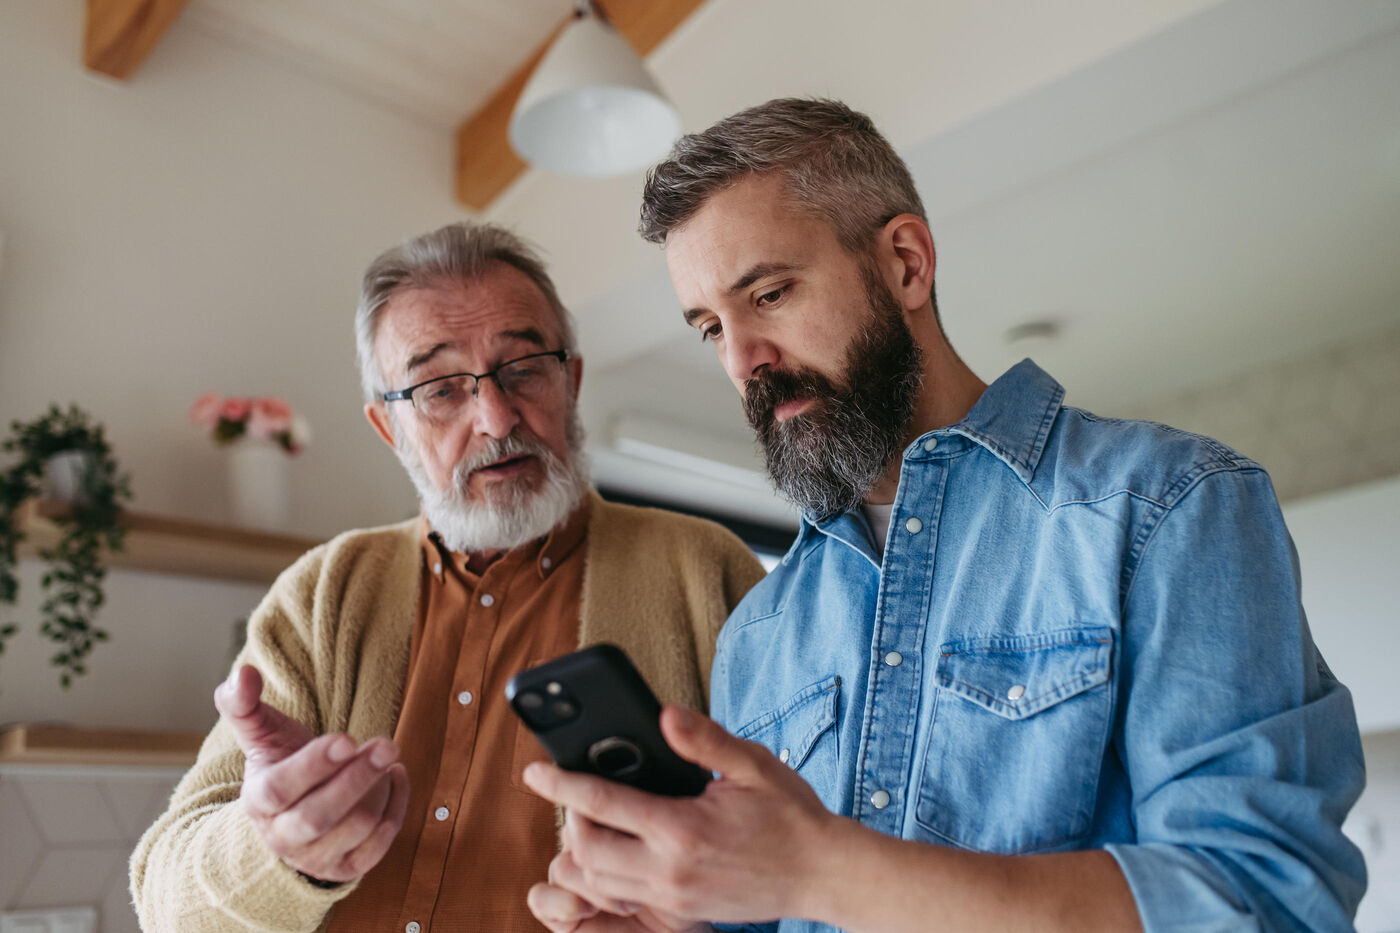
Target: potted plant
[(72, 583)]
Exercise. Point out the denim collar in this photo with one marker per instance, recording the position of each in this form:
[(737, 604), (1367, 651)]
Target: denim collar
[(1012, 419)]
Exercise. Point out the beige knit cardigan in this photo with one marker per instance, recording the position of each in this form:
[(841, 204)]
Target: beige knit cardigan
[(331, 639)]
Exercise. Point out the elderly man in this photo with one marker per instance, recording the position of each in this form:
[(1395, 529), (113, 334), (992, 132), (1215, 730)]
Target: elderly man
[(301, 812), (1023, 668)]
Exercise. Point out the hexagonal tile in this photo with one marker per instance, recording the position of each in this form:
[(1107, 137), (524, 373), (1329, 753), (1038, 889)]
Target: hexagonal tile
[(23, 844)]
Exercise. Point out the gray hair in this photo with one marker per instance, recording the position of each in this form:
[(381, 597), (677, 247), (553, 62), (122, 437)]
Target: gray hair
[(833, 159), (456, 253)]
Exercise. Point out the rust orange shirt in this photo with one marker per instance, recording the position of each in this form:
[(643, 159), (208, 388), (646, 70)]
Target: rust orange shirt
[(475, 839)]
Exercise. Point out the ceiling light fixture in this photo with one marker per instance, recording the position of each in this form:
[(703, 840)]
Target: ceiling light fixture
[(591, 108)]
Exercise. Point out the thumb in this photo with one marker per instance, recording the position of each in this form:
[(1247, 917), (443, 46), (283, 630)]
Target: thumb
[(260, 730), (701, 740)]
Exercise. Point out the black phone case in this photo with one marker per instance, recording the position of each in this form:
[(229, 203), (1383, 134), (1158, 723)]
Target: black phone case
[(617, 712)]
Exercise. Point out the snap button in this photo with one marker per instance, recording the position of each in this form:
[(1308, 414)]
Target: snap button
[(465, 697), (880, 799), (487, 599), (784, 755), (546, 563), (914, 525), (894, 659), (931, 443), (1016, 692)]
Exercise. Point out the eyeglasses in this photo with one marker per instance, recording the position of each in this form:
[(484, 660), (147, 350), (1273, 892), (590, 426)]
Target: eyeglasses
[(443, 398)]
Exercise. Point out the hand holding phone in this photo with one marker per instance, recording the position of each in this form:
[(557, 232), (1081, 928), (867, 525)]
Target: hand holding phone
[(593, 712)]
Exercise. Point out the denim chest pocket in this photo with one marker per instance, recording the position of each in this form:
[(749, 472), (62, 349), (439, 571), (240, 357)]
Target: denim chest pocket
[(801, 733), (1019, 732)]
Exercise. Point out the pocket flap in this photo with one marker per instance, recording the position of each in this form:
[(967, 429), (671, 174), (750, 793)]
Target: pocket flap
[(1019, 676), (798, 723)]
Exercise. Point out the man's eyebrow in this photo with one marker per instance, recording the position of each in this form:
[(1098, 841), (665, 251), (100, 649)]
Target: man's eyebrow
[(528, 334), (761, 270), (418, 359), (755, 272)]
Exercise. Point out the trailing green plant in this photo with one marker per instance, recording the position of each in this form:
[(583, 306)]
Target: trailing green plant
[(72, 581)]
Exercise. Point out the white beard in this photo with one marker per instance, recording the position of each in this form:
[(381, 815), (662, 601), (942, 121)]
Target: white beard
[(510, 513)]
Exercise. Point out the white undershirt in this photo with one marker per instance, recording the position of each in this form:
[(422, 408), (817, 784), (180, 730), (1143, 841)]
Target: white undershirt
[(879, 518)]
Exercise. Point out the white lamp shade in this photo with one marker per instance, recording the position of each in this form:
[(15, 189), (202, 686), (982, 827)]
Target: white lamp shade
[(591, 108)]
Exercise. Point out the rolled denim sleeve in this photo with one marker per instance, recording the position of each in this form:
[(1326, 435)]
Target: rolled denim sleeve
[(1241, 747)]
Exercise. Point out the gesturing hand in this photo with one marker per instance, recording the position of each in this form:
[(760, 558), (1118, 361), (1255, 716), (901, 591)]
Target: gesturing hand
[(748, 849), (325, 808)]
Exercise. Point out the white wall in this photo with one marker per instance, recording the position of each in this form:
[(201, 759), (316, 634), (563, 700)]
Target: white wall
[(200, 228), (1348, 545)]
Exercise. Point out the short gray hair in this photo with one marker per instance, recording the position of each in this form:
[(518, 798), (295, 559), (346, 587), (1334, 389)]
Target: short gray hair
[(458, 253), (833, 159)]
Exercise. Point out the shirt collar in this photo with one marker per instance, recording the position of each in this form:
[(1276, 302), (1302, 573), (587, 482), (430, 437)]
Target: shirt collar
[(546, 553), (1012, 419)]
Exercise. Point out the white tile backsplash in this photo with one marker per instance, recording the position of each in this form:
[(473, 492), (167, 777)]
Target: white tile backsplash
[(70, 811), (22, 843), (75, 876)]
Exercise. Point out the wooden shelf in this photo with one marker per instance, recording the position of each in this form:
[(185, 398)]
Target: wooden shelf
[(65, 745), (178, 546)]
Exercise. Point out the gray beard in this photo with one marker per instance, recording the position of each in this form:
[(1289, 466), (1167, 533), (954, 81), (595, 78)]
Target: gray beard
[(827, 459), (512, 513)]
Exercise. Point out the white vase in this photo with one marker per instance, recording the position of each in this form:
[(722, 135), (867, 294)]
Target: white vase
[(63, 476), (259, 486)]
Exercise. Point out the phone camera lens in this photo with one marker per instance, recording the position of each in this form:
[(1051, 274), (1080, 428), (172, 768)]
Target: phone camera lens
[(530, 700), (564, 709)]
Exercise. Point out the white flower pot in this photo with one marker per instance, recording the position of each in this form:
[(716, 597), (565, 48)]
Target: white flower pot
[(63, 476), (259, 485)]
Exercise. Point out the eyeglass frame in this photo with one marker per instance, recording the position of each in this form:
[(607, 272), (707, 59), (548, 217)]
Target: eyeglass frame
[(563, 355)]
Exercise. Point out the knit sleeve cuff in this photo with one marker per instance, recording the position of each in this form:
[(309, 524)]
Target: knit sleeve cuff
[(243, 878)]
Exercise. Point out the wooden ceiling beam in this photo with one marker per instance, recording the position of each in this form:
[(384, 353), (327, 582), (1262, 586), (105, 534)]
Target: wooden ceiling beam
[(486, 163), (119, 34)]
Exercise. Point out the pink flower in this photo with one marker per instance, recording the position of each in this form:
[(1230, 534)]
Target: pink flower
[(270, 417), (205, 410), (234, 409)]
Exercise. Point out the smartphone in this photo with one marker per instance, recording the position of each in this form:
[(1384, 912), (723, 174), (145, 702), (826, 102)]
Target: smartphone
[(593, 712)]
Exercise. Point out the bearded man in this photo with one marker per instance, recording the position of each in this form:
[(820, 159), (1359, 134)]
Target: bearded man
[(366, 771), (1023, 668)]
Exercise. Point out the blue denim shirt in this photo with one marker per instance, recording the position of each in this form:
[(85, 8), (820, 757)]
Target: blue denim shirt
[(1085, 633)]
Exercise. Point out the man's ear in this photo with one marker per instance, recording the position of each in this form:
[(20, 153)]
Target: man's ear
[(575, 374), (378, 417), (906, 254)]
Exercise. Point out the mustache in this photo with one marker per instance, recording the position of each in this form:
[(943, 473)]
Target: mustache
[(764, 392), (497, 449)]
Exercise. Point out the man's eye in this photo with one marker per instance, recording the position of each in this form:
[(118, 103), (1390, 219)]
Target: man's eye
[(773, 297), (710, 331), (443, 389)]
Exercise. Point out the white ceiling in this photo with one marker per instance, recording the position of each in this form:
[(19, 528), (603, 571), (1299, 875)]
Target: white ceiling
[(1191, 188)]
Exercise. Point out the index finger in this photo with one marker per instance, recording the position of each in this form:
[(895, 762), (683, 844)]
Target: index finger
[(606, 802), (275, 788)]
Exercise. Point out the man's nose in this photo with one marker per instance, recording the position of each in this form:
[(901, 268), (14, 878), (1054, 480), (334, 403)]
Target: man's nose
[(746, 351), (493, 411)]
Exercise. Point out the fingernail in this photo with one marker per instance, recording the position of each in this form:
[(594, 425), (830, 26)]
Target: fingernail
[(382, 756), (341, 749), (627, 908), (532, 775)]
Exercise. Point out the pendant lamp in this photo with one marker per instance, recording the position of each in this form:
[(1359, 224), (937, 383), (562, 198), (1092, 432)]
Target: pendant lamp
[(591, 108)]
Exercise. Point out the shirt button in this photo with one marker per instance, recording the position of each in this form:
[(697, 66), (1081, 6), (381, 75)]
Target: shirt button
[(487, 599), (546, 563), (441, 814), (465, 697), (880, 799), (784, 755), (437, 569), (1016, 692), (914, 525), (931, 443), (412, 927), (894, 659)]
